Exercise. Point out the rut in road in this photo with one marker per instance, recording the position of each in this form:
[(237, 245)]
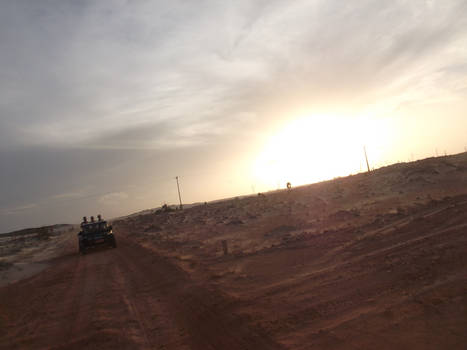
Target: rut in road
[(205, 318), (121, 298)]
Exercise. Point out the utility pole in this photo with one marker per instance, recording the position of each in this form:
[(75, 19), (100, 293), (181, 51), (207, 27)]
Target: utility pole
[(366, 158), (179, 197)]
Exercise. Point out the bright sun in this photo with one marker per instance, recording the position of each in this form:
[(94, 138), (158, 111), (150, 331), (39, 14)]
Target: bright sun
[(316, 148)]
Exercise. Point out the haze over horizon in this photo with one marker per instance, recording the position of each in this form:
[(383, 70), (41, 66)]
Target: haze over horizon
[(103, 104)]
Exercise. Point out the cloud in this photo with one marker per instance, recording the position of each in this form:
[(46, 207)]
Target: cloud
[(76, 73), (102, 94), (17, 210), (67, 196), (113, 198)]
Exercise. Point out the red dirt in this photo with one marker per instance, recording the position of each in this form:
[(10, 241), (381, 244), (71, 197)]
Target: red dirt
[(365, 262), (121, 298)]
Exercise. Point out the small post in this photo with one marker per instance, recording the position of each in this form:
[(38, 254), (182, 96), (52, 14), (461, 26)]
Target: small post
[(179, 197), (225, 247), (366, 158)]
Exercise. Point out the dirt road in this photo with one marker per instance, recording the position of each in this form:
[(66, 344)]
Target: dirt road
[(121, 298), (365, 262)]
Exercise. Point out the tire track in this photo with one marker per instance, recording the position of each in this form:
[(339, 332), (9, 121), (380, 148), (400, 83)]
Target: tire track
[(205, 318), (127, 297)]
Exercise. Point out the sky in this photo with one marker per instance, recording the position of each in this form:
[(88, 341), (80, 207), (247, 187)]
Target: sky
[(103, 103)]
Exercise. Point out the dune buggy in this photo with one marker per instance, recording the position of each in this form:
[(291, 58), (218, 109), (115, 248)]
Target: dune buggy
[(95, 233)]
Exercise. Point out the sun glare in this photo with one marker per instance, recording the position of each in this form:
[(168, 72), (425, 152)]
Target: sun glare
[(316, 148)]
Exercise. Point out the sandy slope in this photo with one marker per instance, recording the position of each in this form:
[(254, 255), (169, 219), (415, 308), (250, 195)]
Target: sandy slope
[(26, 252), (366, 262)]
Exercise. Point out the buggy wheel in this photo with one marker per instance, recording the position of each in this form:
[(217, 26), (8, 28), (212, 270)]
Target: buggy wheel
[(111, 241)]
